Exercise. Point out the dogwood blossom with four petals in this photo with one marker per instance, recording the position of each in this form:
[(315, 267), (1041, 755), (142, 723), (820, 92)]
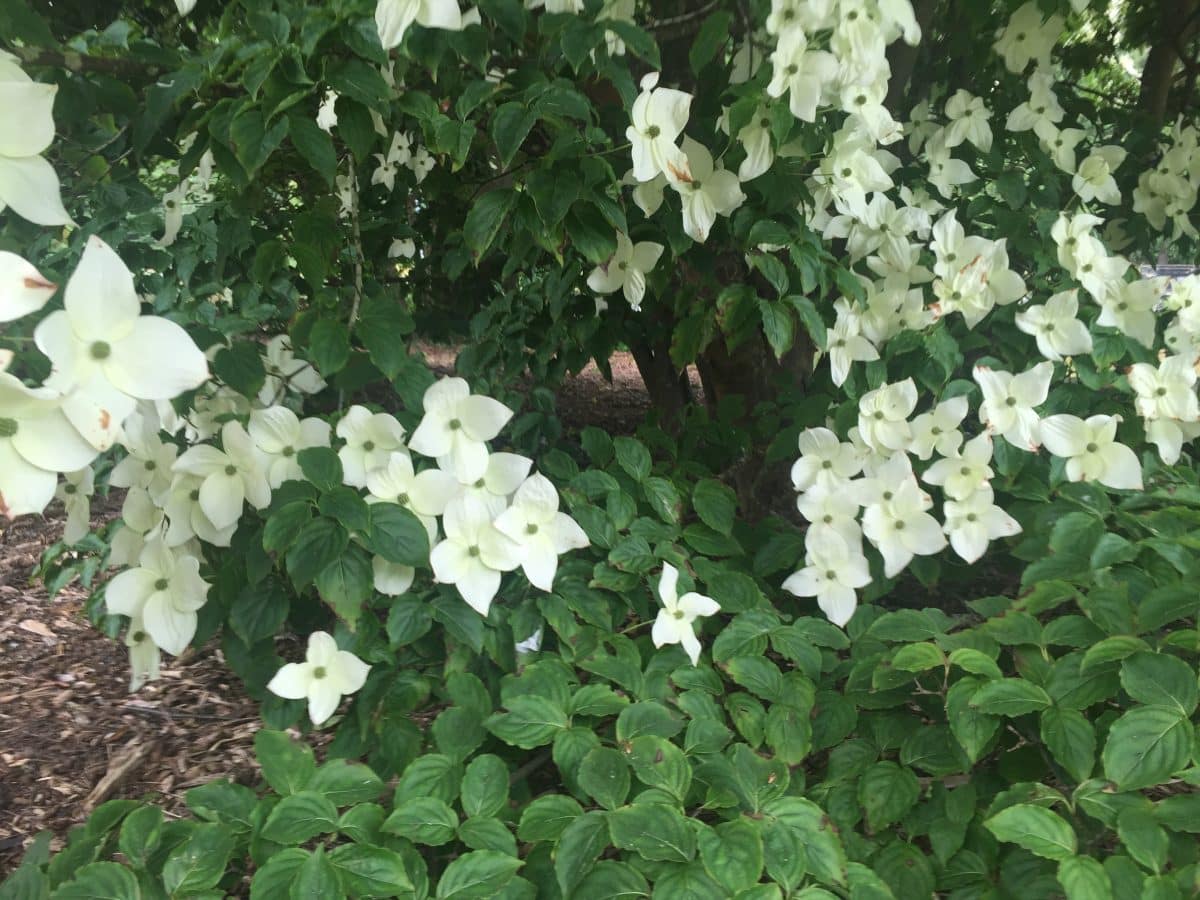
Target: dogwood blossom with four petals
[(883, 415), (962, 474), (1009, 401), (1094, 180), (107, 354), (424, 494), (535, 524), (824, 460), (474, 554), (457, 425), (370, 438), (938, 429), (675, 621), (1058, 332), (833, 572), (900, 528), (326, 675), (627, 269), (709, 192), (279, 434), (165, 590), (659, 117), (975, 520), (75, 492), (1091, 450), (231, 476)]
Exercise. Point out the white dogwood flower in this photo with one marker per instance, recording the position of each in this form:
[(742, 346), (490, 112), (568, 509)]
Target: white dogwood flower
[(285, 371), (108, 354), (28, 184), (834, 569), (1091, 450), (1055, 327), (75, 492), (834, 507), (504, 473), (232, 476), (962, 474), (402, 247), (938, 429), (23, 290), (803, 74), (326, 675), (883, 415), (755, 138), (975, 520), (627, 269), (845, 344), (1168, 436), (185, 6), (1167, 391), (474, 553), (186, 518), (144, 656), (540, 530), (279, 434), (424, 494), (1027, 37), (945, 172), (457, 425), (1059, 143), (140, 516), (150, 461), (659, 116), (36, 443), (1094, 179), (1009, 401), (172, 214), (900, 528), (709, 192), (824, 460), (165, 590), (1129, 306), (399, 154), (421, 164), (370, 438), (968, 121), (674, 624)]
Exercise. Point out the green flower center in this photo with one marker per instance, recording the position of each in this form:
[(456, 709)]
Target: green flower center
[(531, 529), (899, 525), (194, 496), (319, 672), (479, 483), (887, 495), (472, 550), (231, 469), (139, 636), (830, 575), (70, 489), (965, 470), (289, 451), (792, 69), (368, 446), (1091, 448), (764, 123), (455, 424), (8, 428), (878, 414), (162, 584), (101, 350), (678, 614), (1010, 401), (653, 131), (826, 464), (971, 517), (828, 519), (402, 499)]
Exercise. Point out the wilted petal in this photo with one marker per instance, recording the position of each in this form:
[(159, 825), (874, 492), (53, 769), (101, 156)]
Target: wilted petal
[(23, 290)]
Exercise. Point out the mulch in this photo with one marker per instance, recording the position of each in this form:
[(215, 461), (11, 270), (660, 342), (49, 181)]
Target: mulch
[(71, 734)]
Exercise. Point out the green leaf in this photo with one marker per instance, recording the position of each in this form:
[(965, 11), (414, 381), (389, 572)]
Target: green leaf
[(314, 144), (329, 346), (344, 783), (287, 765), (1071, 740), (973, 729), (484, 220), (430, 775), (319, 544), (346, 584), (1111, 649), (713, 35), (788, 731), (368, 871), (604, 774), (922, 657), (485, 786), (259, 612), (1083, 878), (531, 721), (732, 853), (253, 142), (481, 833), (580, 845), (140, 834), (716, 504), (654, 832), (633, 457), (423, 820), (660, 764), (1034, 828), (241, 367), (321, 466), (358, 79), (383, 328), (1145, 747), (1157, 679), (316, 878), (1010, 697), (302, 816), (477, 876), (347, 506), (974, 661), (274, 879), (547, 816), (826, 857), (95, 881), (511, 124), (663, 498), (397, 535), (1144, 839), (887, 791)]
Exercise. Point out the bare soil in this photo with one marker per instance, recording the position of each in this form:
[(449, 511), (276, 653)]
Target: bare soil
[(71, 734)]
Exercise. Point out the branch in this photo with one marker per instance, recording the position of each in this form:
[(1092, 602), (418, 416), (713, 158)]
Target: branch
[(79, 63)]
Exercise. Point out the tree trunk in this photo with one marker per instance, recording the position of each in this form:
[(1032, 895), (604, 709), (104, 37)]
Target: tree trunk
[(903, 60), (670, 391), (1177, 20)]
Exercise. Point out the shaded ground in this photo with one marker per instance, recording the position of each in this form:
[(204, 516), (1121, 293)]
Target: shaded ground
[(72, 736)]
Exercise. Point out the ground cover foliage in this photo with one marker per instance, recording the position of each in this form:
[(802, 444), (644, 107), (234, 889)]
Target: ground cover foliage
[(899, 242)]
